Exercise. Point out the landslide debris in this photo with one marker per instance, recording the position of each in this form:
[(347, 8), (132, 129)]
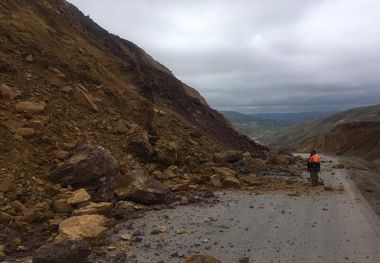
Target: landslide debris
[(92, 129)]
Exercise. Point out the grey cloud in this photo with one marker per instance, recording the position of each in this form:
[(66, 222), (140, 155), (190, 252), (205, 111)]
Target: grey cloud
[(288, 55)]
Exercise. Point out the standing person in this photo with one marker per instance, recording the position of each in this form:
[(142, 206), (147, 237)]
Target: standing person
[(314, 166)]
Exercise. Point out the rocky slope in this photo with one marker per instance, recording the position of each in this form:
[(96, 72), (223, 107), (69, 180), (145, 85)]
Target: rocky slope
[(352, 132), (89, 123)]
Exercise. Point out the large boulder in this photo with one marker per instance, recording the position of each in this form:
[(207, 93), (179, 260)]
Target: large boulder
[(202, 259), (91, 166), (166, 153), (141, 188), (224, 177), (138, 144), (82, 227), (228, 157), (66, 251)]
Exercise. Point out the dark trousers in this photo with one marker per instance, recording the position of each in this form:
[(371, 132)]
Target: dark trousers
[(314, 177)]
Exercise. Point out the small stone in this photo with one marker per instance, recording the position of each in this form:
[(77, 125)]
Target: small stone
[(202, 259), (8, 92), (184, 200), (26, 132), (60, 154), (30, 106), (216, 181), (67, 89), (180, 231), (6, 182), (62, 206), (79, 196), (155, 232), (102, 208), (126, 236), (244, 260), (163, 229), (231, 182), (31, 215), (29, 58), (4, 218)]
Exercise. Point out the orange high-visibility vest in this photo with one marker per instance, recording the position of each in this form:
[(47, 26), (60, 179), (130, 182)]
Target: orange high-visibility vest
[(315, 159)]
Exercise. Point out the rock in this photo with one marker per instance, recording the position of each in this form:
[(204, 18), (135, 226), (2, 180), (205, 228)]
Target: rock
[(126, 236), (161, 176), (4, 218), (167, 153), (244, 260), (90, 166), (26, 132), (216, 181), (138, 144), (67, 89), (171, 172), (251, 180), (62, 206), (32, 215), (30, 106), (141, 188), (6, 182), (228, 157), (8, 93), (60, 154), (202, 259), (66, 251), (224, 172), (81, 227), (180, 231), (231, 182), (29, 58), (184, 200), (225, 177), (184, 185), (2, 251), (84, 98), (79, 196), (102, 208)]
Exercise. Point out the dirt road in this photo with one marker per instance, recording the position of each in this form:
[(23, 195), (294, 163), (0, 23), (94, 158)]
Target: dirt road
[(326, 226)]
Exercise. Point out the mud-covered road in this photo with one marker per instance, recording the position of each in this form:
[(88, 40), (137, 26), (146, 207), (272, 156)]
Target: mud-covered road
[(324, 226)]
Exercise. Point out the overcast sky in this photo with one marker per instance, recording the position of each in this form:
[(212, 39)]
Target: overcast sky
[(258, 55)]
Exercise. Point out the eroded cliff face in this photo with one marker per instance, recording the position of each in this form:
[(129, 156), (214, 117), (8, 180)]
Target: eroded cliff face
[(359, 139)]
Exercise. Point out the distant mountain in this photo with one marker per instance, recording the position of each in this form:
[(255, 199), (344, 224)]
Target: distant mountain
[(291, 117), (262, 126)]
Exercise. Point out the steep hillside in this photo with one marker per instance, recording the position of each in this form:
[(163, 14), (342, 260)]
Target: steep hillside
[(354, 132), (63, 42), (90, 86), (90, 122), (294, 136), (353, 138)]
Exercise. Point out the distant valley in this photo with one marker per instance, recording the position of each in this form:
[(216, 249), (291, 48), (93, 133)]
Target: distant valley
[(263, 127)]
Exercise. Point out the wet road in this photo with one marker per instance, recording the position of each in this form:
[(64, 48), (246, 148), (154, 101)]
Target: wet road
[(337, 226)]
